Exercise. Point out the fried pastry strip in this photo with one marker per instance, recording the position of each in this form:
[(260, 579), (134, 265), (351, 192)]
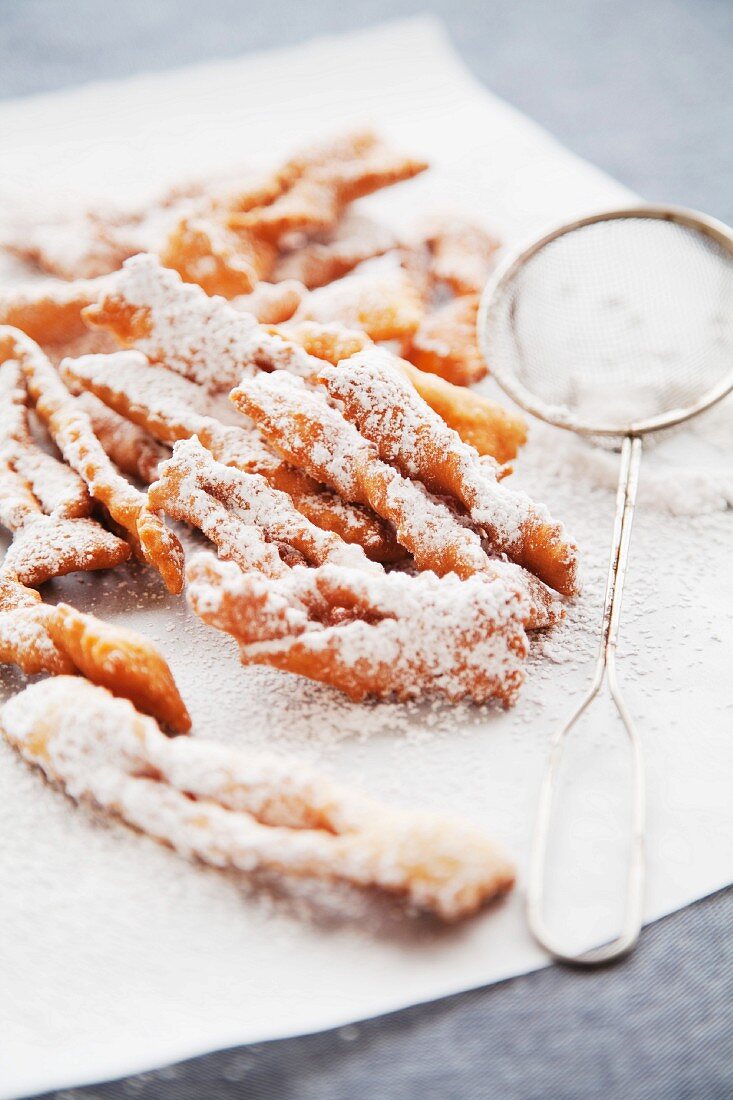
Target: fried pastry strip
[(72, 431), (24, 637), (25, 641), (383, 303), (241, 513), (356, 163), (330, 341), (445, 342), (39, 638), (490, 428), (232, 808), (462, 254), (272, 303), (51, 546), (334, 254), (210, 342), (381, 635), (203, 250), (59, 489), (311, 434), (122, 661), (91, 244), (311, 190), (308, 432), (132, 449), (407, 432), (80, 247), (13, 593), (49, 311), (44, 546), (307, 206), (174, 323), (171, 408)]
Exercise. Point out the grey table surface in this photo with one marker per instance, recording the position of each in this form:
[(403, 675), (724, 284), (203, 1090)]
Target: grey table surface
[(643, 90)]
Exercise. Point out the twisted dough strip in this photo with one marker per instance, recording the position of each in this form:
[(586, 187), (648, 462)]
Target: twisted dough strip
[(57, 487), (79, 246), (236, 809), (462, 254), (358, 162), (488, 427), (242, 514), (122, 661), (491, 429), (210, 342), (72, 431), (171, 408), (44, 546), (382, 302), (24, 637), (333, 254), (132, 449), (227, 241), (310, 433), (309, 193), (51, 546), (176, 324), (445, 342), (203, 250), (41, 638), (405, 430), (381, 635), (49, 310)]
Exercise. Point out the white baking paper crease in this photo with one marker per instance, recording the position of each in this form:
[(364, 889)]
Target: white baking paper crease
[(115, 954)]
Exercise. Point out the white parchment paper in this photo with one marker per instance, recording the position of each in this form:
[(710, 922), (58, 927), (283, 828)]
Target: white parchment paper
[(116, 955)]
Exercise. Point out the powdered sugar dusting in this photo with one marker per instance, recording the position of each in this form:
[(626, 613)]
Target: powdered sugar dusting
[(231, 809), (381, 302), (202, 338), (356, 238), (405, 429), (373, 633), (194, 487), (92, 897)]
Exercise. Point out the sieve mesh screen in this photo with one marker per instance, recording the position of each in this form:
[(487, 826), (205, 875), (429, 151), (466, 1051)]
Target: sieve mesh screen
[(615, 321)]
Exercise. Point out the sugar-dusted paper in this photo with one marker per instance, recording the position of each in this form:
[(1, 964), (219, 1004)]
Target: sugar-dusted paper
[(115, 954)]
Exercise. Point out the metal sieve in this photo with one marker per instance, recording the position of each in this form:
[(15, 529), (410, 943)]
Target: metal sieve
[(613, 326)]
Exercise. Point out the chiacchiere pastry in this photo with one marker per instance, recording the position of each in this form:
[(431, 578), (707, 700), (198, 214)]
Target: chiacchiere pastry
[(311, 433), (330, 255), (209, 341), (383, 303), (383, 635), (445, 342), (43, 503), (487, 427), (461, 253), (133, 450), (406, 431), (170, 408), (245, 811), (253, 357), (244, 516), (40, 638), (72, 431)]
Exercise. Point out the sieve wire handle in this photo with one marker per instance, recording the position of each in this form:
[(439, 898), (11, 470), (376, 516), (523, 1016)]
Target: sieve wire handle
[(605, 669)]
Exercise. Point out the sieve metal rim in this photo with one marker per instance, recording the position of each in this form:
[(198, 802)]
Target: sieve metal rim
[(513, 263)]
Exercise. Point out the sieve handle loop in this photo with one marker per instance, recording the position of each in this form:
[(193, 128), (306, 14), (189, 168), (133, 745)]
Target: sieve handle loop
[(605, 669)]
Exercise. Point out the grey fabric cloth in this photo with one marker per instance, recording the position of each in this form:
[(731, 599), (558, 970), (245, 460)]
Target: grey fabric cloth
[(644, 91)]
